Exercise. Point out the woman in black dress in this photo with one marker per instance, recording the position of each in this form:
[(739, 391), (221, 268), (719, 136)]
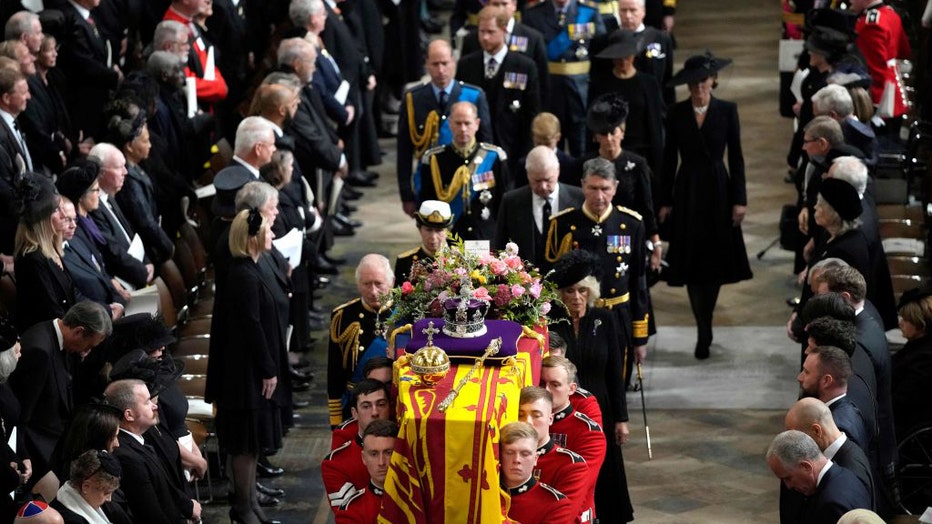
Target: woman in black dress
[(911, 370), (592, 345), (242, 382), (704, 200), (43, 284)]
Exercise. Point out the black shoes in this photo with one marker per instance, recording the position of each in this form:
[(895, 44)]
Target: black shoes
[(266, 470), (271, 492), (300, 376), (347, 221), (340, 229), (320, 266), (360, 179)]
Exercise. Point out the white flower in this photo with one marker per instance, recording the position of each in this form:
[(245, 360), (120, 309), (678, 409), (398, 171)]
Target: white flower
[(511, 249)]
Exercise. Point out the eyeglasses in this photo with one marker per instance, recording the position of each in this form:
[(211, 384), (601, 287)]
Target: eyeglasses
[(810, 140)]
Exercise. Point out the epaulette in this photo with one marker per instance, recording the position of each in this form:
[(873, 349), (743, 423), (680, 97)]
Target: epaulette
[(561, 213), (593, 425), (341, 306), (431, 152), (631, 212), (346, 423), (492, 147), (557, 494), (585, 393), (572, 454), (341, 447), (350, 497), (409, 253)]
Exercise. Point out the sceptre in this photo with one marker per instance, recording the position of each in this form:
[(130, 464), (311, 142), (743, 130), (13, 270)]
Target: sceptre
[(493, 348)]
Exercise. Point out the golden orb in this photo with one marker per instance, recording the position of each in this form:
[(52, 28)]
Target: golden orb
[(430, 364)]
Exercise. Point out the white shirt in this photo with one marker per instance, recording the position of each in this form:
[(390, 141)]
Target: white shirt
[(537, 203), (138, 438), (499, 57), (836, 399), (105, 199), (252, 169), (58, 335), (828, 464), (83, 11), (833, 448)]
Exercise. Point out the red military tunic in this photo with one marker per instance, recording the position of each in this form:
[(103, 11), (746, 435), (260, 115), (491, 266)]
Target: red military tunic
[(343, 472), (586, 403), (345, 432), (537, 503), (362, 507), (210, 91), (577, 432), (881, 39), (568, 472)]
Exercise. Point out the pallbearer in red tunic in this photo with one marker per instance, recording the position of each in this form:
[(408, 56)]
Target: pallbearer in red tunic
[(363, 505), (532, 502), (343, 470), (582, 399), (558, 467), (572, 429)]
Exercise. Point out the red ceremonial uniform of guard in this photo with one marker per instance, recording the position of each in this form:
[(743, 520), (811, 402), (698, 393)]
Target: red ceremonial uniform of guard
[(568, 472), (537, 503), (585, 402), (362, 507), (343, 472), (577, 432), (882, 40)]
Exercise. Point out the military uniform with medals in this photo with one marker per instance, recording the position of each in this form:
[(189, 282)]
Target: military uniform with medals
[(618, 238), (470, 181), (568, 34), (406, 261), (422, 124), (357, 333)]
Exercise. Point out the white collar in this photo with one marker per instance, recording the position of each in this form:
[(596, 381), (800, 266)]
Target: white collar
[(252, 169), (835, 446), (69, 497), (58, 335), (554, 197), (836, 399), (83, 11), (640, 28), (138, 438), (499, 56), (8, 118), (828, 464), (510, 28)]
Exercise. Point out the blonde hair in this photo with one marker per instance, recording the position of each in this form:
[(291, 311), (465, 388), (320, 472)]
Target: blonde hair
[(545, 125), (40, 237), (241, 243)]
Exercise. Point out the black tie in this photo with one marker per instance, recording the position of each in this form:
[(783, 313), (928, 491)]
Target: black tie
[(546, 211), (442, 103), (561, 18)]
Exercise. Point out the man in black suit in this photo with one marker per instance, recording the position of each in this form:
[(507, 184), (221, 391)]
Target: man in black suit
[(42, 380), (825, 376), (519, 38), (511, 85), (14, 94), (229, 28), (146, 482), (832, 490), (525, 212), (90, 65), (813, 418), (114, 226), (422, 122)]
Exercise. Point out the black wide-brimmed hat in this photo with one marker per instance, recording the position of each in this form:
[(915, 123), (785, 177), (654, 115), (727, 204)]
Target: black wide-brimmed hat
[(828, 42), (607, 112), (917, 293), (36, 198), (842, 196), (622, 43), (575, 266), (74, 182), (699, 67), (140, 331), (157, 374), (836, 19)]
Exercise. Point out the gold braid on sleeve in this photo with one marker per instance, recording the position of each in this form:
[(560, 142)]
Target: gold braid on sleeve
[(431, 129), (348, 340), (555, 249), (460, 182)]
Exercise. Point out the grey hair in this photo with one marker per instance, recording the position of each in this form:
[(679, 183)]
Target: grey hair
[(791, 447), (251, 131), (300, 10), (102, 152), (166, 33), (292, 49), (86, 466), (860, 516), (853, 171), (599, 167), (161, 62), (282, 78), (254, 195), (826, 127), (19, 24), (834, 218), (542, 159), (377, 261), (834, 97), (822, 265), (91, 316), (120, 394)]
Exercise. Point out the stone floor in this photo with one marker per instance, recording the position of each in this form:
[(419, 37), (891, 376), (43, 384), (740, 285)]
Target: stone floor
[(710, 422)]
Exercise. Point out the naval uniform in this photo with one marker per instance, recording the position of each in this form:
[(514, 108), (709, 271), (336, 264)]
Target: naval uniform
[(422, 124), (470, 182), (357, 333), (568, 33), (406, 261)]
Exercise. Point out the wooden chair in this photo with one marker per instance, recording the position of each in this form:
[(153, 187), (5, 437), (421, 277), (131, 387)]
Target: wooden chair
[(193, 364), (901, 228), (193, 386), (170, 273), (193, 345), (900, 212), (203, 436), (904, 265), (166, 304), (184, 259), (903, 283)]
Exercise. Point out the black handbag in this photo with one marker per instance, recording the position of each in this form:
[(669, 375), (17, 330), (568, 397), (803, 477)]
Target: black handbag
[(789, 227)]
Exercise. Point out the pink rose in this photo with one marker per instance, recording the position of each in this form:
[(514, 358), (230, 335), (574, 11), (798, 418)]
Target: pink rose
[(514, 262), (485, 258), (481, 293), (525, 277), (517, 291), (545, 308), (498, 267), (407, 288), (535, 289)]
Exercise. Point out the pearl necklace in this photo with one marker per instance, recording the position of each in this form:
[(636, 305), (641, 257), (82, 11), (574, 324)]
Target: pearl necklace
[(701, 110)]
